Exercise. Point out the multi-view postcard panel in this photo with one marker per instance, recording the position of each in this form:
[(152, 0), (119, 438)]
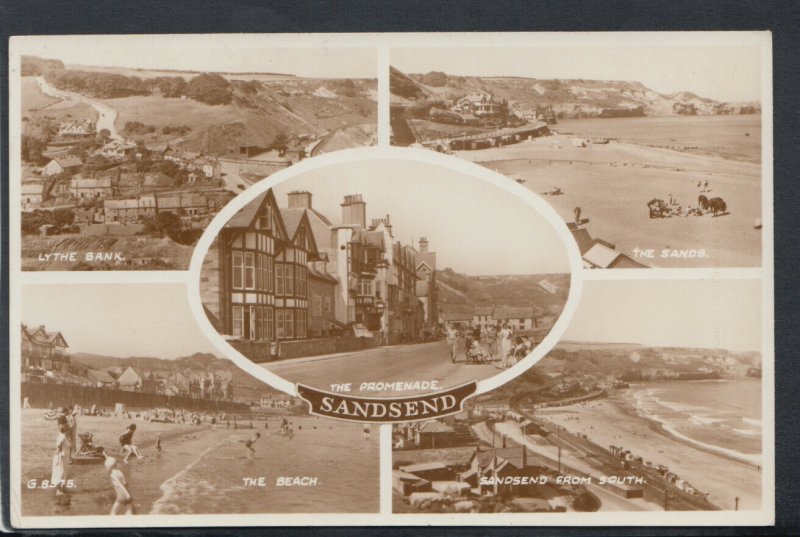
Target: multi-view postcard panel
[(655, 408), (652, 160), (391, 252), (304, 316), (142, 414), (124, 162)]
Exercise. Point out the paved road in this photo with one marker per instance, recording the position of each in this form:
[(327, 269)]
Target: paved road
[(413, 362)]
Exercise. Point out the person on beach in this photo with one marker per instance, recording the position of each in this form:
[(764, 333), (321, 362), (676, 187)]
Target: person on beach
[(59, 473), (120, 484), (72, 423), (452, 341), (250, 445), (128, 447), (528, 342), (158, 442), (577, 212)]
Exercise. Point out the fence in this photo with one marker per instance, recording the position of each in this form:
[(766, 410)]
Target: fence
[(42, 394)]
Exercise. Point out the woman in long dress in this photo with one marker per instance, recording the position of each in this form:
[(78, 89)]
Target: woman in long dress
[(59, 474), (505, 346)]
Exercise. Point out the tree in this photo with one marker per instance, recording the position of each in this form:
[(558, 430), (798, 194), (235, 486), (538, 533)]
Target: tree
[(210, 89), (164, 223), (31, 150), (280, 142)]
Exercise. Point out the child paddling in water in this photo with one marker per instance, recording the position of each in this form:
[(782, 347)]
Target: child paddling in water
[(128, 447), (120, 484), (250, 444)]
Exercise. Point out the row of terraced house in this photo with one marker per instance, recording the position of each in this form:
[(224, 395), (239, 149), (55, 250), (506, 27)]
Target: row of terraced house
[(282, 274)]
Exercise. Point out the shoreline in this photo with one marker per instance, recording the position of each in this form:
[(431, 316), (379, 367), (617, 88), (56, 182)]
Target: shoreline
[(629, 408), (613, 421)]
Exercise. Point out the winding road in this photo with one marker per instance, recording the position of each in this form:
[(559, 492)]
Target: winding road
[(107, 115)]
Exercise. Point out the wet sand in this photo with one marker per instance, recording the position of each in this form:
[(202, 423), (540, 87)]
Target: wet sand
[(612, 184), (201, 467), (613, 421), (93, 494)]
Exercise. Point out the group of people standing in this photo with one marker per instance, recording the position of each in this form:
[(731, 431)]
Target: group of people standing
[(483, 344), (66, 440)]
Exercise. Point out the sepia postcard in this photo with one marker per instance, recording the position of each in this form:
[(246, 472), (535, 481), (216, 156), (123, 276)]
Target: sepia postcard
[(370, 280)]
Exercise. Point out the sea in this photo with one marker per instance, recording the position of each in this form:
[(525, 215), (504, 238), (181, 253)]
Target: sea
[(735, 137), (723, 416), (340, 458)]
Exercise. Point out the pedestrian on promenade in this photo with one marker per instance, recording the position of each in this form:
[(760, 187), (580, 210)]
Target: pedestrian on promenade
[(506, 346), (491, 341), (452, 341)]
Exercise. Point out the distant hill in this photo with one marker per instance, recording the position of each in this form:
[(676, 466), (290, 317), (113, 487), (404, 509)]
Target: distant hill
[(569, 98), (223, 111), (459, 292), (630, 362), (196, 365), (33, 66)]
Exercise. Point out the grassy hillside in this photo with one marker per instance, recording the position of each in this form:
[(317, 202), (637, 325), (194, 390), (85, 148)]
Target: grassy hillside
[(222, 111), (258, 112), (457, 289), (570, 98)]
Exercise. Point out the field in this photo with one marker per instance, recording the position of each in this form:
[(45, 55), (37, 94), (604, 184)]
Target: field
[(161, 111), (36, 104)]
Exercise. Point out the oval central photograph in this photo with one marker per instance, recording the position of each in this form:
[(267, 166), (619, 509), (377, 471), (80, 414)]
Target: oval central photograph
[(387, 276)]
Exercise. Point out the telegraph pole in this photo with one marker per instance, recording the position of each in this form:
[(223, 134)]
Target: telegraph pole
[(559, 448)]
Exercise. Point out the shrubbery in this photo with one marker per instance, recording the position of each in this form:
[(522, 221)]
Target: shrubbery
[(32, 221), (210, 89)]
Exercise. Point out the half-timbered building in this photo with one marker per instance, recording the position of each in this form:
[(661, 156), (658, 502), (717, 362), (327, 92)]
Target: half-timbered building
[(263, 272)]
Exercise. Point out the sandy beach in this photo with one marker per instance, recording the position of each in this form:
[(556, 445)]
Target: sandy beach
[(613, 421), (201, 468), (613, 182)]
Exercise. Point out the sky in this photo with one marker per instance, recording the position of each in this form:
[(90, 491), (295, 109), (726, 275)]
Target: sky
[(121, 320), (721, 72), (473, 226), (219, 53), (720, 314)]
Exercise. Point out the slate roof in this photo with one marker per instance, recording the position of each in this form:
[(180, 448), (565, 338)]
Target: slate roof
[(513, 313), (68, 161), (244, 217), (601, 255), (292, 219)]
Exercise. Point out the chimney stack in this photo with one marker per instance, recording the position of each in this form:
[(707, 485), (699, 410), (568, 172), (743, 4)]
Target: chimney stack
[(354, 211), (387, 223), (300, 199), (423, 245)]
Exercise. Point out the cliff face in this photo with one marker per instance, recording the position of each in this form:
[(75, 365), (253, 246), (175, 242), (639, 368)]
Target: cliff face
[(569, 98)]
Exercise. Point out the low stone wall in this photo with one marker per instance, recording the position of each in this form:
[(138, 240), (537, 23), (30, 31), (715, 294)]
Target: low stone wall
[(315, 347), (260, 352)]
